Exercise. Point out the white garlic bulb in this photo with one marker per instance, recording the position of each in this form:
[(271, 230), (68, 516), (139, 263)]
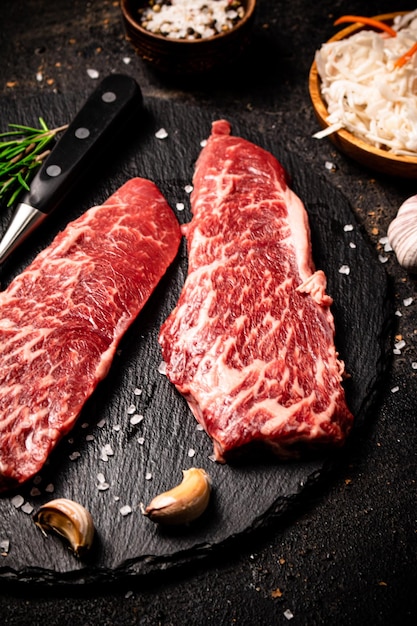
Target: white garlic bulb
[(402, 234)]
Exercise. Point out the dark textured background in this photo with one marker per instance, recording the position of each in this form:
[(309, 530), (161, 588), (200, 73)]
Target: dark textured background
[(345, 552)]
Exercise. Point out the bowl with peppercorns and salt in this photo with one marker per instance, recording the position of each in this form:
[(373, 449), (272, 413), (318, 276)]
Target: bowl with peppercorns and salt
[(188, 37)]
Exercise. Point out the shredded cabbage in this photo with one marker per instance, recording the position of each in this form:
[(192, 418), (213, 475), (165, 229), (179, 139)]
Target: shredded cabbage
[(365, 94)]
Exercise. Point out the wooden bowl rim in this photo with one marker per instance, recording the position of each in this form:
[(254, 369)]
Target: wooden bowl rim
[(125, 8), (321, 109)]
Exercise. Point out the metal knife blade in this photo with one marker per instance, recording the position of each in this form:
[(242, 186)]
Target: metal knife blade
[(108, 107)]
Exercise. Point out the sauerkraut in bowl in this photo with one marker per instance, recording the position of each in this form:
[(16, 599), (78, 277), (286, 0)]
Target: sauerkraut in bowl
[(367, 88)]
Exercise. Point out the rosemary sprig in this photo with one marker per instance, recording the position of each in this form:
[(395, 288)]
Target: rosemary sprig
[(22, 150)]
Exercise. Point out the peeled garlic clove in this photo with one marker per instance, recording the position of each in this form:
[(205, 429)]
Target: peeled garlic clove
[(402, 234), (69, 520), (185, 502)]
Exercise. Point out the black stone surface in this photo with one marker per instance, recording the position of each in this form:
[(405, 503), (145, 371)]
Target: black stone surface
[(344, 550)]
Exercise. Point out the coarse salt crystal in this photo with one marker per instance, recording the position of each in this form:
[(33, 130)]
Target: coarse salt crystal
[(203, 143), (137, 391), (89, 438), (125, 510), (414, 365), (148, 476), (131, 409), (400, 344), (101, 477), (330, 166), (101, 423), (162, 368), (352, 245), (4, 547), (17, 501), (136, 419), (348, 228), (103, 486), (199, 427), (407, 301), (117, 428), (141, 440), (161, 134), (188, 188), (344, 269), (39, 76), (191, 452), (27, 508), (126, 60), (382, 258), (74, 455), (398, 313), (395, 389), (288, 614), (128, 594), (180, 206), (93, 73)]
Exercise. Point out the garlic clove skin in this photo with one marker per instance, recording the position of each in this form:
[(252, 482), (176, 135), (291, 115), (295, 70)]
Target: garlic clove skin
[(69, 520), (185, 502), (402, 234)]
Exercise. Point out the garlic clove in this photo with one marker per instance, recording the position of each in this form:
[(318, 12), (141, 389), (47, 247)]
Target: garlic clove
[(185, 502), (69, 520), (402, 234)]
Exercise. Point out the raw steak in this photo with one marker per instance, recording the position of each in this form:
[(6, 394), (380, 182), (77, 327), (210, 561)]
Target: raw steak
[(62, 318), (250, 343)]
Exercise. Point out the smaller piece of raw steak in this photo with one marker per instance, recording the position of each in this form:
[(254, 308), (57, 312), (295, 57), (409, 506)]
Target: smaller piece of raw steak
[(250, 343), (62, 318)]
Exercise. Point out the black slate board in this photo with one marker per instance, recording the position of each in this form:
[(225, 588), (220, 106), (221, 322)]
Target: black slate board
[(245, 496)]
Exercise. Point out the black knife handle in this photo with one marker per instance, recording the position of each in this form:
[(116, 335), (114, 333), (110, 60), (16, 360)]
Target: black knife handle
[(108, 107)]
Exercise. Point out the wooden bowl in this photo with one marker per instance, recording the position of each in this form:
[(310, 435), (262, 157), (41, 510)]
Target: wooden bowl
[(357, 149), (183, 56)]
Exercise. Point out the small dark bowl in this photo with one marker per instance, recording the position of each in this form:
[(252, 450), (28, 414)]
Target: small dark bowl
[(183, 56)]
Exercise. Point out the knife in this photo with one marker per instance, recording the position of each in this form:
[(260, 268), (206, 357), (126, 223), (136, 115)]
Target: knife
[(116, 98)]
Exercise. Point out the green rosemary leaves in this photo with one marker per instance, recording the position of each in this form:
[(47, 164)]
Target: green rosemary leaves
[(22, 150)]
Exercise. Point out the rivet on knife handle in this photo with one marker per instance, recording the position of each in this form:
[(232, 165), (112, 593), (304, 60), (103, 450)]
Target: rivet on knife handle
[(106, 109)]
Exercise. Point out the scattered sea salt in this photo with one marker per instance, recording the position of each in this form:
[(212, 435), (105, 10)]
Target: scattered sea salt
[(162, 368), (27, 508), (407, 301), (398, 313), (137, 391), (17, 501), (199, 427), (161, 134), (4, 547), (85, 425), (180, 206), (141, 440), (39, 76), (188, 188), (101, 423), (400, 345), (128, 594), (50, 488), (74, 455), (203, 143), (344, 269), (125, 510), (352, 245), (148, 476), (191, 452), (131, 409), (35, 492), (288, 614), (126, 60), (136, 419), (395, 389), (330, 166), (103, 486), (116, 428), (89, 438), (382, 258), (93, 73), (348, 228), (414, 365), (106, 451)]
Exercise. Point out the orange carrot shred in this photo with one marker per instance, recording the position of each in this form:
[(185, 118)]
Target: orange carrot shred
[(368, 21), (402, 60)]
